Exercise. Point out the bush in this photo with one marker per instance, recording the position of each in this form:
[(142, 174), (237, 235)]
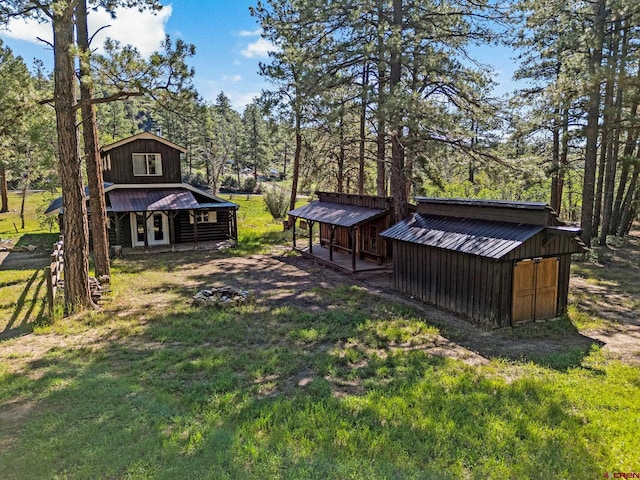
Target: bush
[(229, 183), (197, 180), (249, 185), (276, 202)]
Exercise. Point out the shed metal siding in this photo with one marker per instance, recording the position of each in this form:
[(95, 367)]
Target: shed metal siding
[(450, 280)]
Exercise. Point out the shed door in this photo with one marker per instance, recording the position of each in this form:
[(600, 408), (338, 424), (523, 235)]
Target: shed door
[(535, 289)]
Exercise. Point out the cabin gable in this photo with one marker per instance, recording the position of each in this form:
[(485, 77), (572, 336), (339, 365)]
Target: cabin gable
[(125, 163)]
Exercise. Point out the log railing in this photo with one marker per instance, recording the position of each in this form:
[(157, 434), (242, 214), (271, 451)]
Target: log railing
[(54, 273)]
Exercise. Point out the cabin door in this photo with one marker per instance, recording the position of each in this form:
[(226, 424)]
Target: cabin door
[(157, 229), (535, 289)]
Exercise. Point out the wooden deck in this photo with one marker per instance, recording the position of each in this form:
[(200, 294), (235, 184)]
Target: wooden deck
[(341, 260)]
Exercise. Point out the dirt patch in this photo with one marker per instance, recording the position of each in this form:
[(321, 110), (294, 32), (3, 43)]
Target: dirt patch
[(15, 260), (281, 279), (12, 416)]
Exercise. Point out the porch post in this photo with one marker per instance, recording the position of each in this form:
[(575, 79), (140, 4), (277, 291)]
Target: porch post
[(172, 228), (118, 229), (295, 220), (146, 230), (332, 234), (311, 236), (352, 234), (234, 227), (195, 228)]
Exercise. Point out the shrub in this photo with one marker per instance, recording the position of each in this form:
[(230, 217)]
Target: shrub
[(249, 185), (229, 183), (276, 202)]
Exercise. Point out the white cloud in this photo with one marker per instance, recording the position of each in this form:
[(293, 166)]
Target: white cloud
[(29, 30), (250, 33), (240, 100), (143, 30), (259, 48), (232, 78)]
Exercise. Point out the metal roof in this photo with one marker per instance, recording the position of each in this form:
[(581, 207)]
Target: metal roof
[(337, 214), (152, 200), (56, 204), (486, 238), (143, 136), (218, 205), (485, 203)]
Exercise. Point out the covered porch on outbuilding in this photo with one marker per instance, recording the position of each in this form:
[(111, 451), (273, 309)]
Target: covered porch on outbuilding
[(347, 236)]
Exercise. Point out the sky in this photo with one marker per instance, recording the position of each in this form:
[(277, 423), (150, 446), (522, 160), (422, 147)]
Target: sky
[(227, 39)]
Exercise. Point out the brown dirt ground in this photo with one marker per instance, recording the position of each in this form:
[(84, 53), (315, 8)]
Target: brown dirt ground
[(280, 278)]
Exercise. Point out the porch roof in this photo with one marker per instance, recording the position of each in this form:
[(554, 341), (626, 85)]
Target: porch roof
[(337, 213), (152, 200)]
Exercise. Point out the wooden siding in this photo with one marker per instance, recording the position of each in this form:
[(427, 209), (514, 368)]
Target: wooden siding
[(470, 285), (206, 231), (369, 201), (125, 230), (502, 214), (544, 245), (457, 282), (363, 239), (121, 163)]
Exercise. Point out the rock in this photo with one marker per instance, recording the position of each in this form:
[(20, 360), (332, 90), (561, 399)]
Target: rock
[(223, 296)]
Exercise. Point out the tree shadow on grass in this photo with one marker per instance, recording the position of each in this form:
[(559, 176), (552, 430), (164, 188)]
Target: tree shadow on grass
[(241, 394), (30, 307)]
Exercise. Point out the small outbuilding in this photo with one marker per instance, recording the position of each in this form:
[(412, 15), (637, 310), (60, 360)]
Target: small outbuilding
[(349, 230), (500, 263)]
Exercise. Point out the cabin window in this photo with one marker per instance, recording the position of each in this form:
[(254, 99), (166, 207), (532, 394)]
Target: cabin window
[(147, 164), (204, 216), (373, 238)]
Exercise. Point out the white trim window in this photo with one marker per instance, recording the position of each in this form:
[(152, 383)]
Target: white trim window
[(204, 216), (147, 164)]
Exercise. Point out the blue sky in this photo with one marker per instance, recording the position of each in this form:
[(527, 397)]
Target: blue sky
[(227, 40), (226, 36)]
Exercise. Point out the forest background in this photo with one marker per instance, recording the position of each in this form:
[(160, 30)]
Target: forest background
[(383, 97)]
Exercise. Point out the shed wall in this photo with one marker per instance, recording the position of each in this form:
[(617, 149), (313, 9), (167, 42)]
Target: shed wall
[(470, 285)]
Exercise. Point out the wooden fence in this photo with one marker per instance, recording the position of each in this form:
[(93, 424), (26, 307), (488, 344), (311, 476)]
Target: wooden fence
[(54, 273)]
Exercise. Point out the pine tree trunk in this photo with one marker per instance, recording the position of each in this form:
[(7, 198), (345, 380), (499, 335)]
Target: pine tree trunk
[(3, 189), (363, 121), (95, 180), (629, 147), (612, 162), (381, 149), (628, 210), (296, 164), (398, 177), (76, 241), (341, 154), (593, 114), (555, 200)]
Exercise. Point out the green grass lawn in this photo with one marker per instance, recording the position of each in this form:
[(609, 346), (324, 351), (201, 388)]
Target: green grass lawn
[(314, 377)]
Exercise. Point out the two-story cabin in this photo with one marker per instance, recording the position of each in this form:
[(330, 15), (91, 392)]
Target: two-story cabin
[(147, 202)]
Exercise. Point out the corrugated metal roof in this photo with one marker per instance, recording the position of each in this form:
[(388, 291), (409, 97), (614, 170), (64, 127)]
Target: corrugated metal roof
[(152, 200), (336, 213), (218, 205), (485, 203), (56, 204), (486, 238)]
